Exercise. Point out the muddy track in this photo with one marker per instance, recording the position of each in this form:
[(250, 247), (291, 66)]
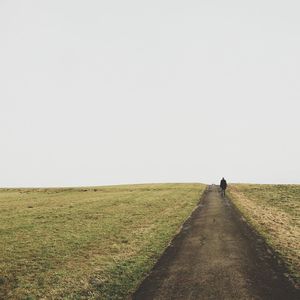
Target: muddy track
[(217, 256)]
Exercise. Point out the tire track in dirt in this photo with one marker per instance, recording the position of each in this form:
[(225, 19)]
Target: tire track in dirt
[(217, 256)]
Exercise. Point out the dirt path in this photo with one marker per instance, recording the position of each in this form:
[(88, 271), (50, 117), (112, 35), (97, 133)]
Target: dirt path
[(217, 256)]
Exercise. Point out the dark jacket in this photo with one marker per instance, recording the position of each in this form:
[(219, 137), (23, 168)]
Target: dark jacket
[(223, 184)]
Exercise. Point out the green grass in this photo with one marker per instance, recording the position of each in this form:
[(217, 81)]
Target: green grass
[(87, 243), (274, 211)]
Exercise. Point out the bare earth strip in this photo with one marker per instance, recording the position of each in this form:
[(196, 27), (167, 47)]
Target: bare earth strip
[(217, 256)]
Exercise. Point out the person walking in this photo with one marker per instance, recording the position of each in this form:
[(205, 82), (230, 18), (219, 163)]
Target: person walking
[(223, 185)]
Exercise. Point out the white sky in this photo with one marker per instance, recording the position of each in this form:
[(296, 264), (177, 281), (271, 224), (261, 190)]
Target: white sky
[(107, 92)]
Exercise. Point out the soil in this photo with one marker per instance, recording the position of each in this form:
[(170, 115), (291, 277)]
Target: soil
[(217, 255)]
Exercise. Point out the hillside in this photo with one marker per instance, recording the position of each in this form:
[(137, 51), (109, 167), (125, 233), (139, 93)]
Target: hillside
[(86, 242)]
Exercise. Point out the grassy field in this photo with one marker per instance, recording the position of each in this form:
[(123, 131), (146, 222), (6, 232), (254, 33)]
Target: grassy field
[(274, 210), (87, 243)]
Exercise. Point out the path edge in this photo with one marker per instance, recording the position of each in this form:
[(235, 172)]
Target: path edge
[(176, 237), (255, 235)]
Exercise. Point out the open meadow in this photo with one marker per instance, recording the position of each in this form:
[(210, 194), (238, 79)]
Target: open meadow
[(84, 243), (274, 211)]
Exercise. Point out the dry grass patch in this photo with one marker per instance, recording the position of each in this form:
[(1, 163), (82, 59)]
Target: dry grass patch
[(274, 210), (87, 243)]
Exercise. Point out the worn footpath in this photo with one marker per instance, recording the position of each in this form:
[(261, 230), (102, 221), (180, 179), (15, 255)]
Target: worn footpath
[(217, 256)]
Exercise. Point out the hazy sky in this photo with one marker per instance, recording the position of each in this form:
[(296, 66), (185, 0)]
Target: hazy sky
[(107, 92)]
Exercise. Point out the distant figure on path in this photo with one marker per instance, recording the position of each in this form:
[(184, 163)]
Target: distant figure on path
[(223, 185)]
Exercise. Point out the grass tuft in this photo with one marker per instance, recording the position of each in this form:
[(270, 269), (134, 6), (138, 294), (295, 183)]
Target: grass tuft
[(274, 211)]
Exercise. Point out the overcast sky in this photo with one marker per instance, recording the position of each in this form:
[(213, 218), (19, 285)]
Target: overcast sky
[(110, 92)]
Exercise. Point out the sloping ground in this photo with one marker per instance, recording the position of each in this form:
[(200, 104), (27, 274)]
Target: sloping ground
[(274, 211), (86, 243)]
